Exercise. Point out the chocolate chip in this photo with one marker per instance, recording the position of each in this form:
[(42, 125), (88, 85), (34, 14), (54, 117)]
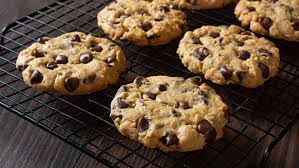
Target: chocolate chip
[(205, 128), (114, 117), (266, 22), (149, 95), (182, 105), (200, 53), (198, 80), (170, 139), (121, 104), (86, 57), (174, 113), (96, 48), (238, 43), (61, 59), (243, 54), (71, 83), (138, 81), (191, 1), (162, 88), (163, 9), (142, 125), (225, 72), (195, 40), (146, 26), (295, 24), (43, 40), (89, 79), (110, 60), (173, 6), (121, 90), (250, 8), (214, 34), (36, 77), (265, 70), (159, 18), (38, 53), (51, 65), (263, 52), (75, 38), (21, 67)]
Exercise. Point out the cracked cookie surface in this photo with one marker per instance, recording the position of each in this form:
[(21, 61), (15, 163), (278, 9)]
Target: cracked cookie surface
[(142, 23), (278, 19), (169, 113), (229, 55), (73, 63)]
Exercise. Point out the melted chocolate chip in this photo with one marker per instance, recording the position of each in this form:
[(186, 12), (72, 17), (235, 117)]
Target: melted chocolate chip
[(110, 60), (146, 26), (198, 80), (61, 59), (174, 113), (36, 77), (21, 67), (162, 87), (200, 53), (173, 6), (182, 105), (163, 9), (121, 104), (266, 22), (205, 128), (170, 139), (121, 90), (149, 95), (238, 43), (243, 54), (51, 65), (225, 72), (75, 38), (71, 83), (96, 48), (200, 101), (142, 125), (138, 81), (114, 117), (159, 18), (195, 40), (263, 52), (86, 57), (265, 70), (38, 53), (214, 34), (89, 79), (250, 8), (295, 24), (43, 40)]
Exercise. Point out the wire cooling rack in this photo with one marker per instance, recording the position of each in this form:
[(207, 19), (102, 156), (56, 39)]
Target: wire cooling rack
[(259, 118)]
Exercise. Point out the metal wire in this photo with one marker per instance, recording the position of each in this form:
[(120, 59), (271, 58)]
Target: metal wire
[(87, 126)]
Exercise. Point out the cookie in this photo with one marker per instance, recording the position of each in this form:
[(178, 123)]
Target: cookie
[(142, 23), (197, 4), (278, 19), (169, 113), (73, 63), (229, 55)]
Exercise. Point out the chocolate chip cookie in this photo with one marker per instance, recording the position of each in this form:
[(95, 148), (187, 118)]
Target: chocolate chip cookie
[(169, 113), (141, 22), (229, 55), (276, 18), (73, 63), (197, 4)]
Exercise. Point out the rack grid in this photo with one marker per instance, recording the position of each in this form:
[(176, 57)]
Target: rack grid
[(259, 118)]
